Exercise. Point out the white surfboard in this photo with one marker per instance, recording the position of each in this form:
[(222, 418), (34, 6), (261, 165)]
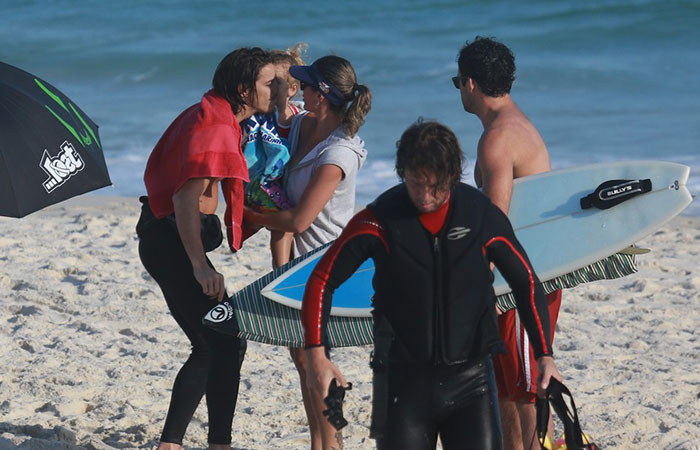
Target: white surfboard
[(557, 234), (560, 237)]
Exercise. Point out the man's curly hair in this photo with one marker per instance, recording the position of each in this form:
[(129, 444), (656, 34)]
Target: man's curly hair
[(489, 63)]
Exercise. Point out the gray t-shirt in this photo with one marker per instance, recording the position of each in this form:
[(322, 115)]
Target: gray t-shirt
[(340, 150)]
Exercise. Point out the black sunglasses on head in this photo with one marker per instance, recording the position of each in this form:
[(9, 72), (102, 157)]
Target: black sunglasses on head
[(457, 81)]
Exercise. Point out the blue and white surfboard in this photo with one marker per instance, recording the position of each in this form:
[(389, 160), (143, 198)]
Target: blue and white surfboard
[(557, 234), (352, 299)]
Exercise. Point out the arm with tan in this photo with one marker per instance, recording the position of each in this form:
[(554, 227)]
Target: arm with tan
[(317, 193), (187, 208)]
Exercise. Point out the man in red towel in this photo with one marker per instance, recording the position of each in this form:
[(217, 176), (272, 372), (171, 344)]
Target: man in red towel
[(200, 150)]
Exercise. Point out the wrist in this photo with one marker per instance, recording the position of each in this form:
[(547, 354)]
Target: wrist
[(199, 264), (315, 351)]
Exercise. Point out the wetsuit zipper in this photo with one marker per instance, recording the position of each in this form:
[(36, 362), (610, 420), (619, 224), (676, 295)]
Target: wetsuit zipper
[(437, 302)]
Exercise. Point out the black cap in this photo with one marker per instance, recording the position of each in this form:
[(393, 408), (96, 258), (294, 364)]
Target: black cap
[(311, 76)]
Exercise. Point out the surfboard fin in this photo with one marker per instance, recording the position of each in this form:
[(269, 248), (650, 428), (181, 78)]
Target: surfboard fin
[(614, 192), (634, 250)]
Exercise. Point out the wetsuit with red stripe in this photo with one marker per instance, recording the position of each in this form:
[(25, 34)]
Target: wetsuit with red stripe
[(433, 292), (408, 259)]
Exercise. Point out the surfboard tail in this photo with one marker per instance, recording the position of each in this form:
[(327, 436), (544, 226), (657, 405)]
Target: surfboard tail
[(222, 318)]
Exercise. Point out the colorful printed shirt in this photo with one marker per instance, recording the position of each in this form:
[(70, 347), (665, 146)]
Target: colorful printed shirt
[(267, 153)]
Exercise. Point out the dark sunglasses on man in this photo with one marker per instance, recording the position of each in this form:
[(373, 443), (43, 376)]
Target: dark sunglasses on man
[(457, 81)]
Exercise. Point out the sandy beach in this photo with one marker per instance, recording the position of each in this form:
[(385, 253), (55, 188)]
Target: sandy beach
[(89, 350)]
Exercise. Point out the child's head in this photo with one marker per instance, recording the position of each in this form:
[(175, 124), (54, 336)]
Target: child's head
[(283, 60)]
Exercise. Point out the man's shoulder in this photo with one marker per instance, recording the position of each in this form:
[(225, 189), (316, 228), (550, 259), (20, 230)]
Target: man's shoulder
[(507, 126), (393, 203), (365, 218), (513, 140), (389, 197)]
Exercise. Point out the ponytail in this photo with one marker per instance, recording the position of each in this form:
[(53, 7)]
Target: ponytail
[(357, 110)]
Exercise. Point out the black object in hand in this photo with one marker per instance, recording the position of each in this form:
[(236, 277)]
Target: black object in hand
[(334, 402)]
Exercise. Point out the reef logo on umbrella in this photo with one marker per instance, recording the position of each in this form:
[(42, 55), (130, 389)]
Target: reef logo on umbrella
[(61, 167)]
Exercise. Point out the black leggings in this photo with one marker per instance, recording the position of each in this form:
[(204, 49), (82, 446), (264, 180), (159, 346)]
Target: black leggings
[(458, 404), (213, 367)]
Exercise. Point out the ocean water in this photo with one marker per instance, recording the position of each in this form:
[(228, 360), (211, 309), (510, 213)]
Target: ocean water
[(602, 81)]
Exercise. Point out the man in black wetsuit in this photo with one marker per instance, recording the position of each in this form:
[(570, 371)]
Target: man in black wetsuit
[(432, 240)]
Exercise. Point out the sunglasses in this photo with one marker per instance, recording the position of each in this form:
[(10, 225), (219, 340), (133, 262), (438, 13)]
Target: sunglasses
[(457, 81), (303, 85)]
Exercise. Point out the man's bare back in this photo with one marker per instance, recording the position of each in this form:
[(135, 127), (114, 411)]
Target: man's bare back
[(510, 147)]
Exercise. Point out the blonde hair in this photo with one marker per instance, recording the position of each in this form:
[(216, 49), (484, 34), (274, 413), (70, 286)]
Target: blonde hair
[(291, 56), (358, 98)]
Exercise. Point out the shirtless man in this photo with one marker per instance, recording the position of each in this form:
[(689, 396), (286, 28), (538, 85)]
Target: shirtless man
[(510, 147)]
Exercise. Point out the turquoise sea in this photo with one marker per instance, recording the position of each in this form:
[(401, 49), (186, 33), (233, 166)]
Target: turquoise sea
[(602, 80)]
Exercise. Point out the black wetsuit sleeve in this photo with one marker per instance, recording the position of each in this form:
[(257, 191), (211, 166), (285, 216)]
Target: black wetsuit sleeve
[(362, 238), (503, 249)]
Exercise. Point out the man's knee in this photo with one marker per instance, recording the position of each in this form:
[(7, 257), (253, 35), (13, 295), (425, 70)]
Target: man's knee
[(508, 410), (510, 421), (527, 413)]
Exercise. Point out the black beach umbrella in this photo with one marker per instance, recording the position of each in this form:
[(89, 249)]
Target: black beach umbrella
[(50, 150)]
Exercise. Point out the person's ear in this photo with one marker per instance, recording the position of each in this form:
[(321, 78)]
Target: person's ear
[(292, 89), (471, 84), (319, 97), (245, 94)]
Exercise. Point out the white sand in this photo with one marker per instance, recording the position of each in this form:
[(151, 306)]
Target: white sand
[(89, 350)]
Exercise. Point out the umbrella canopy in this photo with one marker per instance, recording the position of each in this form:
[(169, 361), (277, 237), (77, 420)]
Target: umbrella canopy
[(50, 150)]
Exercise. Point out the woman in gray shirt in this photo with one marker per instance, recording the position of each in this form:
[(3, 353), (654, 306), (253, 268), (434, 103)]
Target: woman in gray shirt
[(320, 180)]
